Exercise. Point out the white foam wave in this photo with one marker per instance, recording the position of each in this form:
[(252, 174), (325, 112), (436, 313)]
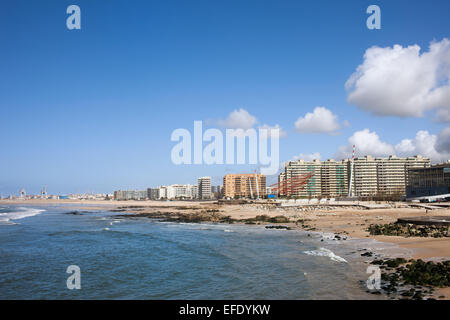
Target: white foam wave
[(323, 252), (6, 217)]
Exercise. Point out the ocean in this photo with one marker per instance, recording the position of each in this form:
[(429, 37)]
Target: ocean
[(146, 259)]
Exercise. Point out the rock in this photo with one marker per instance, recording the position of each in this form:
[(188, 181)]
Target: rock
[(278, 227), (75, 213)]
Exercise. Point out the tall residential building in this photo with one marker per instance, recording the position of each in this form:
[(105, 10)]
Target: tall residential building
[(334, 178), (204, 188), (384, 176), (325, 179), (329, 179), (244, 185)]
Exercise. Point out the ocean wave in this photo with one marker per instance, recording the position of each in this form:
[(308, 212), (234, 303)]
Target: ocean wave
[(6, 217), (323, 252)]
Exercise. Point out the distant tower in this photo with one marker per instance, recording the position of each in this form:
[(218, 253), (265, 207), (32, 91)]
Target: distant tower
[(350, 185), (23, 194)]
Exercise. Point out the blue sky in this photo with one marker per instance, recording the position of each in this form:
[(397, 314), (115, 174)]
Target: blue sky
[(92, 110)]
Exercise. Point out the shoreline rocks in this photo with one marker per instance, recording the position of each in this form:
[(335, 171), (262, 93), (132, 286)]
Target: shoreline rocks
[(413, 279), (409, 230)]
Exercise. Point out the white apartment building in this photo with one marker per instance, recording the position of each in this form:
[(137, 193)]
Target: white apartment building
[(204, 188), (178, 191), (384, 176)]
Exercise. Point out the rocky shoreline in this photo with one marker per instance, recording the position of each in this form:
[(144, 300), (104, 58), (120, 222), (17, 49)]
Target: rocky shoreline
[(413, 279), (409, 230)]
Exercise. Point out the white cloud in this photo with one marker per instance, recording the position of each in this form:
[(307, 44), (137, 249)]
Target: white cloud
[(427, 145), (402, 81), (308, 156), (283, 133), (239, 119), (367, 142), (443, 142), (424, 143), (443, 115), (321, 120), (242, 119)]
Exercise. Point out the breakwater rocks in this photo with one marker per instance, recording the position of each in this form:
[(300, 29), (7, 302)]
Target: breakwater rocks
[(266, 219), (278, 227), (409, 230), (413, 279), (188, 217), (205, 215)]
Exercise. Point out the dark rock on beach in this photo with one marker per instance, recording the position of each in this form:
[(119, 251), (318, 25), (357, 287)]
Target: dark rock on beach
[(413, 279), (409, 230)]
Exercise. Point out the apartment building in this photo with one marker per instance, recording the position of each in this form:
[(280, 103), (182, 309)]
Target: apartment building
[(130, 195), (330, 179), (153, 193), (181, 191), (384, 176), (204, 188), (314, 179), (175, 191), (244, 185), (365, 178), (334, 179)]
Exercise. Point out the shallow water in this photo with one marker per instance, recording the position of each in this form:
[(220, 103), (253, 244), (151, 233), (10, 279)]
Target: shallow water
[(146, 259)]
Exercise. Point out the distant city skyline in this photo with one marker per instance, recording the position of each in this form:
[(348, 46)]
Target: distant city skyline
[(92, 110)]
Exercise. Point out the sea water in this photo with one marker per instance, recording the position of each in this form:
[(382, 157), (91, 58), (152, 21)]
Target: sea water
[(147, 259)]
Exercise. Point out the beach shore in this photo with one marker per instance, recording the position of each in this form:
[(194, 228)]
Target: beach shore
[(351, 221)]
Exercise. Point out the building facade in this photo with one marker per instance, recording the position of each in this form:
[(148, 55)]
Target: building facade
[(314, 179), (130, 195), (383, 176), (244, 185), (429, 182), (153, 193), (330, 179), (204, 188)]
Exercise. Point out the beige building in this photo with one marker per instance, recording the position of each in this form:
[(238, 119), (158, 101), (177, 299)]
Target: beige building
[(384, 176), (330, 179), (296, 169), (244, 185), (326, 179)]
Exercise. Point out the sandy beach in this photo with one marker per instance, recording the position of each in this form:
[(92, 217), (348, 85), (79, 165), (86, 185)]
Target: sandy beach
[(350, 221)]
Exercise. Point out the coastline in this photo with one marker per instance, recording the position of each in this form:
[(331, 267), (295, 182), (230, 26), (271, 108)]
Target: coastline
[(346, 222)]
